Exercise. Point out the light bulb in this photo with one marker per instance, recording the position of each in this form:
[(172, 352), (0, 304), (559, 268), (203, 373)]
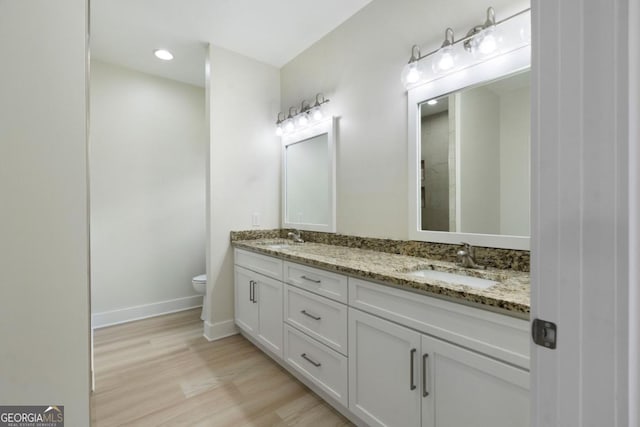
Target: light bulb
[(317, 113), (303, 120), (289, 126), (411, 74), (488, 44), (444, 60), (279, 131)]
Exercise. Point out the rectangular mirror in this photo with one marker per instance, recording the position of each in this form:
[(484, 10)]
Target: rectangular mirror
[(469, 155), (474, 159), (308, 178)]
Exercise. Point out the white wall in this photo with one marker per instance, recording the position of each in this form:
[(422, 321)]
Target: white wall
[(244, 99), (358, 67), (44, 267), (148, 147)]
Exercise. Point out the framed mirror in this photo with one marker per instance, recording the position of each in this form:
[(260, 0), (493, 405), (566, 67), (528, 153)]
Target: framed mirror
[(308, 178), (469, 155)]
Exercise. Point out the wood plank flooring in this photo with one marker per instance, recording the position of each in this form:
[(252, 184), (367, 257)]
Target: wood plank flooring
[(163, 372)]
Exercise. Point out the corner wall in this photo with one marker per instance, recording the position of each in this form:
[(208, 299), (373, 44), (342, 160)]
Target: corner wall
[(244, 168), (44, 246), (148, 149)]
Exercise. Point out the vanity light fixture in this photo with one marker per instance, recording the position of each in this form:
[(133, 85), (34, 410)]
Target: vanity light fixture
[(289, 124), (303, 116), (279, 125), (483, 39), (444, 59), (411, 73), (163, 54), (300, 119), (316, 111), (481, 43)]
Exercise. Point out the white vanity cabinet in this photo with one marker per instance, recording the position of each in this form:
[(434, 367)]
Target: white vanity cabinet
[(460, 387), (384, 356), (258, 300), (399, 376), (315, 314), (383, 376)]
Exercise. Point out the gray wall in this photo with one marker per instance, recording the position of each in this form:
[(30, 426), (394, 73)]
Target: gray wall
[(44, 265)]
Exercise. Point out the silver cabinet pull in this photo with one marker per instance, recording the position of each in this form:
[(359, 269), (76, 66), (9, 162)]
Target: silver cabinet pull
[(308, 359), (251, 290), (253, 286), (311, 280), (425, 393), (310, 315), (412, 385)]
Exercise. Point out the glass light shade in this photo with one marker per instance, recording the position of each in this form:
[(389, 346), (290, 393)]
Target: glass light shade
[(316, 113), (289, 126), (279, 130), (303, 120), (411, 74), (486, 42), (444, 60)]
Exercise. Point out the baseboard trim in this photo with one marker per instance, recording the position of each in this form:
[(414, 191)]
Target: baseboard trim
[(219, 330), (129, 314)]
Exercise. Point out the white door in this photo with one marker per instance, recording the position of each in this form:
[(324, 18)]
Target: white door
[(268, 295), (383, 371), (460, 387), (580, 210), (245, 304)]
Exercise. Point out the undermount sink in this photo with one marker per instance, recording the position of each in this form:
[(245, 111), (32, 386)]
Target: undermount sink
[(454, 279), (276, 244)]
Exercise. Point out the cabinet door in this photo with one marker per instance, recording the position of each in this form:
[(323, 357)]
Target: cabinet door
[(382, 357), (268, 296), (460, 387), (246, 309)]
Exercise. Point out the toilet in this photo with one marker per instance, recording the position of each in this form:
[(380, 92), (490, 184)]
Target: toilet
[(200, 286)]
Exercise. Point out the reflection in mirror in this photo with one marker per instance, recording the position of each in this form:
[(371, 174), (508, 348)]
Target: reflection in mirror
[(474, 159), (307, 185), (308, 178)]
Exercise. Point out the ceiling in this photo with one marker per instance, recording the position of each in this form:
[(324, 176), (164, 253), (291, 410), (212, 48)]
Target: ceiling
[(126, 32)]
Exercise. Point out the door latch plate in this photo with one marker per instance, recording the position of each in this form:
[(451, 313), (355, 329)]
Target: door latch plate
[(544, 333)]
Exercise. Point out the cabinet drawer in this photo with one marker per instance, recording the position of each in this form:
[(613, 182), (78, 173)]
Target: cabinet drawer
[(263, 264), (319, 317), (493, 334), (324, 367), (325, 283)]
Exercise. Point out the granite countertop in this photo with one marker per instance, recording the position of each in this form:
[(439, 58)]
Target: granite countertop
[(509, 296)]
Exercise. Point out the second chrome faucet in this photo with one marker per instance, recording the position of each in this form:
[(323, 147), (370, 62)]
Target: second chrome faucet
[(296, 236), (467, 257)]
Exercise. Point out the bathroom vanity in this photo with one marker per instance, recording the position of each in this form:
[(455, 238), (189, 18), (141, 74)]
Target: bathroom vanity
[(384, 344)]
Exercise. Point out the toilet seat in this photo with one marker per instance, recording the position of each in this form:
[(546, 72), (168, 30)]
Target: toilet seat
[(200, 279)]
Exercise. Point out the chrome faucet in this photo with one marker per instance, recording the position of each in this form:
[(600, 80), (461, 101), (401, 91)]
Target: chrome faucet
[(296, 236), (467, 257)]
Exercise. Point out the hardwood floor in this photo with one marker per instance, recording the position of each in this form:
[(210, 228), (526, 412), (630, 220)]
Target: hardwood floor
[(163, 372)]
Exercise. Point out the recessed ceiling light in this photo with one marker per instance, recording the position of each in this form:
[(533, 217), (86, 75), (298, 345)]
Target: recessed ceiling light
[(432, 101), (163, 54)]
